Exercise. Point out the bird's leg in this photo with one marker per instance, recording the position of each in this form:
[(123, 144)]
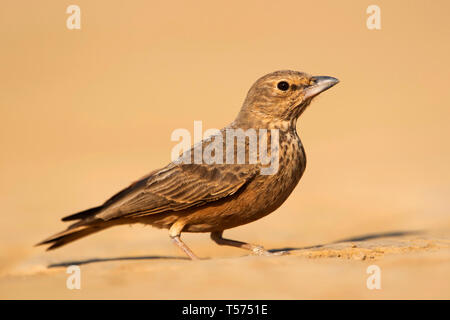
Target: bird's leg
[(255, 249), (184, 247), (174, 233)]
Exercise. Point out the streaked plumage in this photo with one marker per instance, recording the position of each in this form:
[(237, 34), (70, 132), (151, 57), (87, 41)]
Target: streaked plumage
[(214, 197)]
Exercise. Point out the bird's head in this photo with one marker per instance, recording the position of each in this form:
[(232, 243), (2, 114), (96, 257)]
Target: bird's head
[(283, 95)]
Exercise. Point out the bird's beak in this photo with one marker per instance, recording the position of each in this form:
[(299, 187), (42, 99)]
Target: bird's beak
[(320, 84)]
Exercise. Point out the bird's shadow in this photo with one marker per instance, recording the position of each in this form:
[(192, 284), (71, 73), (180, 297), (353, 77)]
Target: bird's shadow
[(371, 236), (95, 260), (288, 249)]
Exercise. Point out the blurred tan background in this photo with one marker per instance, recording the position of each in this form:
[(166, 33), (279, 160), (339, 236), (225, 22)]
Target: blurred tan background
[(85, 112)]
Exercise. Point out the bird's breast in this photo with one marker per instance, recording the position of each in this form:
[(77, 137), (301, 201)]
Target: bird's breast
[(292, 163), (261, 196), (268, 192)]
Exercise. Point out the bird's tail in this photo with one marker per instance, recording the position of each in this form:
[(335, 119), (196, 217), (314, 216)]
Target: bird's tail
[(70, 234)]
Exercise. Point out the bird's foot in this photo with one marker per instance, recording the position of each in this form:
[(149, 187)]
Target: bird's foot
[(260, 251)]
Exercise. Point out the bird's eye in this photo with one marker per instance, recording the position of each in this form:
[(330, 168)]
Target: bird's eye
[(283, 85)]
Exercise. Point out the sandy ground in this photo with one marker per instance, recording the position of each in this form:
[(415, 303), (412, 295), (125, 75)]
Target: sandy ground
[(413, 265), (85, 112)]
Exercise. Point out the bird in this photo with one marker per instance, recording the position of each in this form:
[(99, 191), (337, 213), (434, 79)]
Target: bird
[(194, 196)]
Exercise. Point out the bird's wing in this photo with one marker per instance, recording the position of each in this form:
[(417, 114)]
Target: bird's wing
[(178, 187)]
